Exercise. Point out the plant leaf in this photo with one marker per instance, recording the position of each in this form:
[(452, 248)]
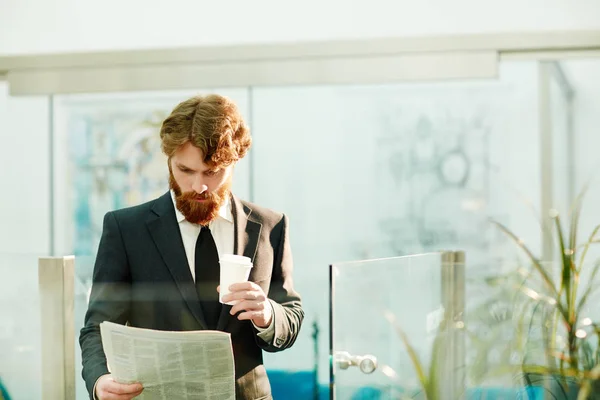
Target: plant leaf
[(545, 370), (575, 214), (414, 358), (587, 353), (586, 386), (566, 282), (549, 283), (438, 347), (536, 263)]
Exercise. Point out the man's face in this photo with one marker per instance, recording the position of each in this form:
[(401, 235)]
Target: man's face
[(200, 189)]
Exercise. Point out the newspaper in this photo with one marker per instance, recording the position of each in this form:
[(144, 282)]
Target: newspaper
[(171, 365)]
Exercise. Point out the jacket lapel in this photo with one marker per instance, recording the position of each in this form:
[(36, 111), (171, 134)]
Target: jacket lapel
[(246, 234), (163, 227), (247, 230)]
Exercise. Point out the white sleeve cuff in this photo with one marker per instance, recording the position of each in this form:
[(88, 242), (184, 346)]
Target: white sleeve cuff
[(267, 334)]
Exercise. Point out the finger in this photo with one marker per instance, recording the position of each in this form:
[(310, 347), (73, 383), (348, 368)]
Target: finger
[(136, 394), (248, 315), (122, 388), (112, 396), (219, 288), (244, 286), (246, 305), (235, 296), (245, 295)]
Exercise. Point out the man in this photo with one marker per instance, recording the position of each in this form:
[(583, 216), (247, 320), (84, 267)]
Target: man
[(157, 263)]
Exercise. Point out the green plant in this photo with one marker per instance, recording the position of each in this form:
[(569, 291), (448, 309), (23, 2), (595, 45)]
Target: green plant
[(556, 304)]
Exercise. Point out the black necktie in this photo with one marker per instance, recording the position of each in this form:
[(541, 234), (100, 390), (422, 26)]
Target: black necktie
[(207, 276)]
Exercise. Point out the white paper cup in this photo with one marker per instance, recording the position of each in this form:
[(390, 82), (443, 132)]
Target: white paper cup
[(234, 269)]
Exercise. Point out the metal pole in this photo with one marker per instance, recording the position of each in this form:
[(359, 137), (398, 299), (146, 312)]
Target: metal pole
[(453, 346), (57, 290), (331, 334), (315, 337), (546, 159)]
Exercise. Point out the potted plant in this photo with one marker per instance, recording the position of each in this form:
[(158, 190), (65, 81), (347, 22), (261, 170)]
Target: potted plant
[(555, 305)]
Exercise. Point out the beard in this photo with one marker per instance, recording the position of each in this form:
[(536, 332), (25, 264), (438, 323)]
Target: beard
[(195, 211)]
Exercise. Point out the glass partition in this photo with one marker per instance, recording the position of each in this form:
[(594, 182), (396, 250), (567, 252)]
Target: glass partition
[(25, 215), (20, 327), (363, 171), (370, 171), (385, 312), (107, 156), (400, 330), (81, 293)]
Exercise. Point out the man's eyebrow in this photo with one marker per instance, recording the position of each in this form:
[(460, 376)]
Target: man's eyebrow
[(181, 166)]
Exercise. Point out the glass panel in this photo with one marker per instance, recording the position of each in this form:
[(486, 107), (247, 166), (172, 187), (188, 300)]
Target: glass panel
[(513, 315), (20, 328), (81, 293), (584, 78), (362, 171), (369, 171), (24, 234), (24, 173), (108, 156), (372, 301)]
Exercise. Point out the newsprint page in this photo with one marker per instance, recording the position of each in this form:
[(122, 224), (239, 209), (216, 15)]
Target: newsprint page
[(171, 365)]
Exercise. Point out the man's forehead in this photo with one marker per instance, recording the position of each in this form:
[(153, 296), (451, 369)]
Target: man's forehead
[(197, 164)]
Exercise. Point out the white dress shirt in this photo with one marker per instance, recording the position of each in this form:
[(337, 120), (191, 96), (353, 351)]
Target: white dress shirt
[(221, 228), (223, 232)]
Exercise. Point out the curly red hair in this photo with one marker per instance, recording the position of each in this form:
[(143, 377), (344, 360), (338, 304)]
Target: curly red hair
[(212, 123)]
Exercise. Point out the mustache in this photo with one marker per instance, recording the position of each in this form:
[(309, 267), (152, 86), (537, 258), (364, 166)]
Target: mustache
[(189, 196)]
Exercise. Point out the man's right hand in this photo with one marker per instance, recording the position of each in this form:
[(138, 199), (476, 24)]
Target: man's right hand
[(108, 389)]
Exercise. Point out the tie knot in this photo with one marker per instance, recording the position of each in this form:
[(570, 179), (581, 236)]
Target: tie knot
[(204, 228)]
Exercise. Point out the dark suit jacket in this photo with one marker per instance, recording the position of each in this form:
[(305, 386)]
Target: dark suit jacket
[(142, 277)]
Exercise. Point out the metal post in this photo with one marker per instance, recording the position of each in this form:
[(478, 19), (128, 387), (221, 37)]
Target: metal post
[(452, 345), (56, 285), (315, 337), (546, 159), (332, 346)]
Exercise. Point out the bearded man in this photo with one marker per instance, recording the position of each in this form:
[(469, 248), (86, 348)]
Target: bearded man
[(157, 265)]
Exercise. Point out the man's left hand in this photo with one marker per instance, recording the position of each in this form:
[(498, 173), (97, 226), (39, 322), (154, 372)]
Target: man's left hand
[(252, 301)]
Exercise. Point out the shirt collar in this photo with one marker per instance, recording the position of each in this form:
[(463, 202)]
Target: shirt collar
[(224, 212)]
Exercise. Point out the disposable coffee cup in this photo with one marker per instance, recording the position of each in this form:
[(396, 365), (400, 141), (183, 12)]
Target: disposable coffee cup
[(234, 269)]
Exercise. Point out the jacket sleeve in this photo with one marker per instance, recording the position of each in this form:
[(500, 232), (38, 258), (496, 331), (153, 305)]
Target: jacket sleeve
[(286, 302), (109, 299)]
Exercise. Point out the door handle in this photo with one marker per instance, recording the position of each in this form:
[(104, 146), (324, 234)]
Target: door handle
[(367, 363)]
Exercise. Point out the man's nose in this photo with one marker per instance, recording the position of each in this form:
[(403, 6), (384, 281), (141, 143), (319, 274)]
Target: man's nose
[(199, 187)]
